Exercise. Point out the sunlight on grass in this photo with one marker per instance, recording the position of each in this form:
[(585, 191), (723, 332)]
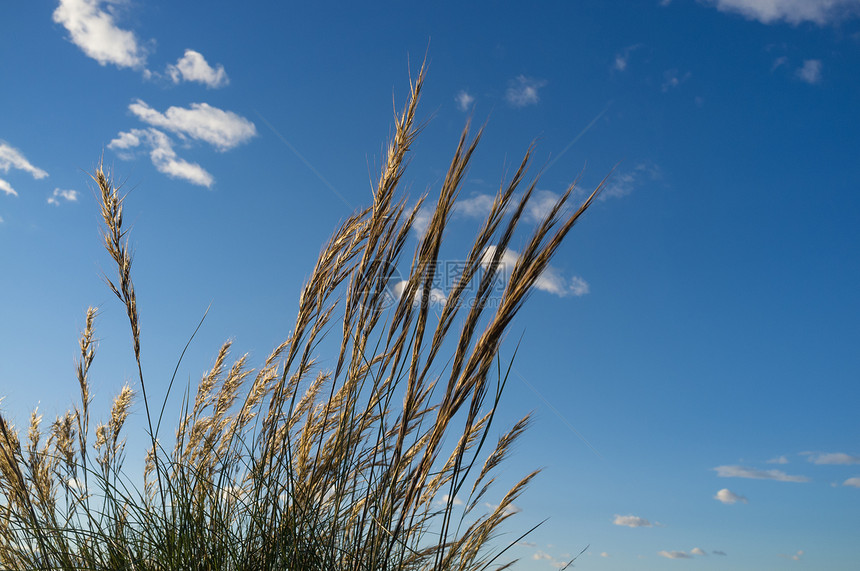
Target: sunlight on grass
[(382, 462)]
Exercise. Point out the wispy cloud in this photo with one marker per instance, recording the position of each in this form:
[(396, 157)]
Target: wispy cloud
[(162, 155), (523, 91), (697, 551), (60, 194), (550, 281), (820, 12), (729, 497), (223, 130), (477, 206), (778, 460), (92, 27), (623, 183), (778, 63), (421, 222), (193, 67), (631, 521), (623, 57), (743, 472), (833, 458), (674, 554), (718, 552), (672, 79), (540, 555), (457, 501), (796, 557), (511, 509), (464, 100), (12, 158), (437, 296), (853, 482), (810, 71)]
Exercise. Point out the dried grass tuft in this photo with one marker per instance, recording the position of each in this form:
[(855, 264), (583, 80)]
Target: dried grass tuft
[(293, 466)]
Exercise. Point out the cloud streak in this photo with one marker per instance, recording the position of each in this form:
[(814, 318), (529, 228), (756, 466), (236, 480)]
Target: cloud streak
[(631, 521), (839, 458), (743, 472), (674, 554), (821, 12)]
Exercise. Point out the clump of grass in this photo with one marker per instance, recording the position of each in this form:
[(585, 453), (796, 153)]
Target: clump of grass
[(290, 466)]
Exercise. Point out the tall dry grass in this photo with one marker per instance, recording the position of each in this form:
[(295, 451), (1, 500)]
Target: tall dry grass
[(290, 466)]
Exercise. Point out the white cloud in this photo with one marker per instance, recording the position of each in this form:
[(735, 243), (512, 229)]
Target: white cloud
[(221, 129), (542, 203), (464, 100), (778, 460), (729, 497), (165, 160), (477, 206), (697, 551), (421, 222), (631, 521), (834, 458), (675, 554), (94, 30), (523, 91), (550, 281), (810, 72), (742, 472), (193, 67), (67, 195), (75, 484), (437, 296), (605, 554), (162, 155), (457, 500), (7, 188), (820, 12), (854, 482), (12, 158)]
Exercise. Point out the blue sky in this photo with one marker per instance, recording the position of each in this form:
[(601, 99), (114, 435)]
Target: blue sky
[(690, 357)]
